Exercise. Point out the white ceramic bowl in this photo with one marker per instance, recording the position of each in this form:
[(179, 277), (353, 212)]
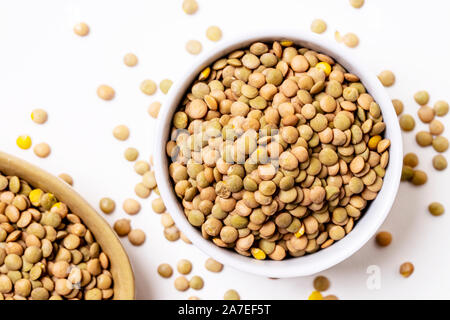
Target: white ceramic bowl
[(364, 229)]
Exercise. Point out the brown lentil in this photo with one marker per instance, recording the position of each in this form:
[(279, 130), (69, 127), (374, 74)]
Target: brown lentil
[(406, 269), (130, 60), (107, 205), (436, 209), (39, 116), (105, 92), (383, 238), (136, 237), (387, 78), (122, 227), (439, 162), (81, 29), (42, 150)]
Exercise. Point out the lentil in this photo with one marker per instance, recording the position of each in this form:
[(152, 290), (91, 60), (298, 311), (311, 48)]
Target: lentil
[(318, 26), (23, 142), (121, 132), (193, 47), (122, 227), (398, 106), (439, 162), (107, 205), (351, 40), (387, 78), (190, 6), (39, 116), (181, 283), (411, 159), (131, 154), (130, 60), (81, 29), (422, 97), (440, 144), (321, 283), (436, 209), (165, 270), (165, 85), (441, 108), (66, 178), (131, 206), (148, 87), (231, 295), (383, 238), (356, 3), (214, 33), (196, 283), (407, 122), (213, 265), (136, 237), (105, 92), (406, 269), (419, 178)]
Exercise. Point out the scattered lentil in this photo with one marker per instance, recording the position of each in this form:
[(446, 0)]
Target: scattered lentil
[(321, 283), (165, 85), (440, 144), (107, 205), (121, 132), (193, 47), (383, 238), (231, 295), (351, 40), (419, 178), (398, 106), (387, 78), (190, 6), (407, 122), (23, 142), (318, 26), (439, 162), (436, 209), (130, 60), (131, 206), (153, 109), (214, 33), (81, 29), (356, 3), (39, 116), (141, 167), (184, 266), (165, 270), (181, 283), (406, 269), (422, 97), (105, 92), (122, 227), (136, 237), (131, 154), (66, 178), (441, 108), (148, 87), (213, 265), (42, 150)]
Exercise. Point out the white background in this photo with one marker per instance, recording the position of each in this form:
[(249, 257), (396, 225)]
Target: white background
[(43, 64)]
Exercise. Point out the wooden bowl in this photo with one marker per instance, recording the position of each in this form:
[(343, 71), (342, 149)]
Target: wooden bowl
[(120, 264)]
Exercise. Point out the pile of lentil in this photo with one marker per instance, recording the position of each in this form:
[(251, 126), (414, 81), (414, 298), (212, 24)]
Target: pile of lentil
[(277, 150), (46, 252)]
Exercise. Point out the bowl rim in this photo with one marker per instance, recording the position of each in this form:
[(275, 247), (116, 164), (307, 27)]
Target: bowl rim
[(375, 214), (121, 270)]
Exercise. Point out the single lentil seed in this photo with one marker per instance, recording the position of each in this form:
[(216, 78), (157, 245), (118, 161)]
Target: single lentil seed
[(121, 132), (231, 295), (356, 3), (441, 108), (131, 206), (440, 144), (81, 29), (321, 283), (165, 270), (383, 238), (131, 154), (165, 85), (214, 33), (193, 47), (422, 97), (387, 78), (181, 283), (398, 106), (318, 26), (105, 92), (122, 227), (130, 60), (66, 178), (136, 237), (190, 6), (196, 283), (24, 142), (436, 209), (39, 116), (406, 269), (407, 122), (148, 87), (351, 40), (439, 162), (42, 150)]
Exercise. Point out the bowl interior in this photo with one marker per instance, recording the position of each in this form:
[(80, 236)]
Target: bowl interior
[(364, 229), (120, 265)]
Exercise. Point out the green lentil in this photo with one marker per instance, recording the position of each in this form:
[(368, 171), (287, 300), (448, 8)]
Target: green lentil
[(422, 97), (436, 209), (439, 162), (407, 122)]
